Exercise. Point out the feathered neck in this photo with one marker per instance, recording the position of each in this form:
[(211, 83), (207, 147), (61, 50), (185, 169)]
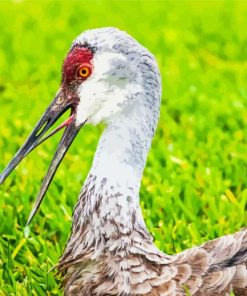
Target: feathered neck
[(108, 209), (112, 186)]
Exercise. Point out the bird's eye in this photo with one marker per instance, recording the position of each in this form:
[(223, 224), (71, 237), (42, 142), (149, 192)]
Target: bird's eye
[(84, 71)]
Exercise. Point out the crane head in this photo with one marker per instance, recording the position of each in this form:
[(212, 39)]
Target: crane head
[(100, 77)]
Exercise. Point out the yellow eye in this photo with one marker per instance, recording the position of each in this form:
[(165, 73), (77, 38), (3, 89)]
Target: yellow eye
[(84, 71)]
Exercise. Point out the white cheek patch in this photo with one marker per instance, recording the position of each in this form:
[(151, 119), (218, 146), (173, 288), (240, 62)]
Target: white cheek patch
[(89, 99), (104, 92)]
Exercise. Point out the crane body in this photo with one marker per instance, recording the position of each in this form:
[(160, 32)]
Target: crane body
[(109, 77)]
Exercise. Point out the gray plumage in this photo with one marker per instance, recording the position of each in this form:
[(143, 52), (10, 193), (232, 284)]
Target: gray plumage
[(110, 251), (109, 77)]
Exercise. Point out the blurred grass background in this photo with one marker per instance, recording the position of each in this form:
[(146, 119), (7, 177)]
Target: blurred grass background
[(194, 185)]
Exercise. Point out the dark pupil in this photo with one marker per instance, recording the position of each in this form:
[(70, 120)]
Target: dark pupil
[(83, 71)]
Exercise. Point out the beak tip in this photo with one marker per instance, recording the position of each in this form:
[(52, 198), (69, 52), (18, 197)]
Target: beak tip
[(30, 218), (28, 222), (2, 178), (6, 172)]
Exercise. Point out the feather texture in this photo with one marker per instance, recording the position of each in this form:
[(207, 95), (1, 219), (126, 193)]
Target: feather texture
[(110, 251), (121, 263)]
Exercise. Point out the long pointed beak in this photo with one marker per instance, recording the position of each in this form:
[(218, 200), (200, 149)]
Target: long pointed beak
[(56, 109)]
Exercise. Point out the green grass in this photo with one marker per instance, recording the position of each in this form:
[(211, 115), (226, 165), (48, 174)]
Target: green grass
[(194, 185)]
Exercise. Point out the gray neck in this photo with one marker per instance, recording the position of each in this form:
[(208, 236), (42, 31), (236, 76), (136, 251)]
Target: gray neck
[(122, 150), (109, 200), (112, 186)]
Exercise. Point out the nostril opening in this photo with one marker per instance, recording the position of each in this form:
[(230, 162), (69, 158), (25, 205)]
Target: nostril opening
[(42, 128)]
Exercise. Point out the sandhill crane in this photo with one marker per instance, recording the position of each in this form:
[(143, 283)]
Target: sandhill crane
[(107, 76)]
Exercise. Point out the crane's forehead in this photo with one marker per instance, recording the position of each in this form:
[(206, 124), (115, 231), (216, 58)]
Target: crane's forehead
[(77, 56)]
